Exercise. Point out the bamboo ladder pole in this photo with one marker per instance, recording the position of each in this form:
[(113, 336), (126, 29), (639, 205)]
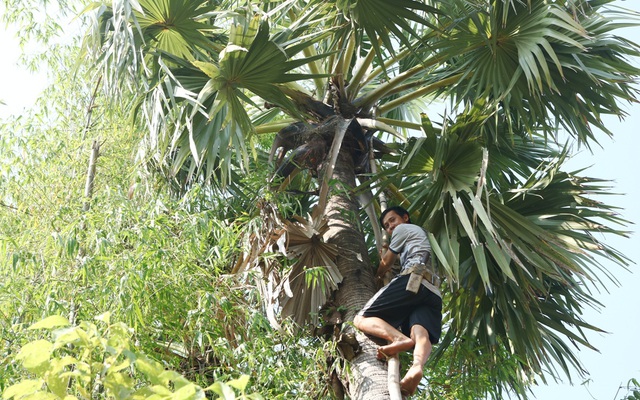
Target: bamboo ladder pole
[(393, 363)]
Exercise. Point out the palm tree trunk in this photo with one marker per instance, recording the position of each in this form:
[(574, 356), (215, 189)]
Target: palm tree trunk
[(368, 376)]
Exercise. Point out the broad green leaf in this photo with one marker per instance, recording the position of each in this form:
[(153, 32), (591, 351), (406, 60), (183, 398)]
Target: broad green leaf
[(177, 379), (56, 381), (240, 383), (104, 317), (188, 392), (160, 390), (52, 321), (464, 220), (210, 69), (435, 246), (120, 385), (499, 255), (85, 337), (153, 370), (479, 209), (23, 389), (224, 391), (124, 364), (35, 355), (66, 336)]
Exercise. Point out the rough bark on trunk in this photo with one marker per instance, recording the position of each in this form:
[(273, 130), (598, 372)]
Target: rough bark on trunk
[(368, 379)]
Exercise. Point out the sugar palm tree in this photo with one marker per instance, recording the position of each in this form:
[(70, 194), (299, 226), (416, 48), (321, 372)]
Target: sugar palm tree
[(348, 93)]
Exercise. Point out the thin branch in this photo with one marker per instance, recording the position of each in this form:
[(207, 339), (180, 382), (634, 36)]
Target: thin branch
[(90, 108), (376, 94), (8, 206), (88, 187), (400, 123), (273, 127), (375, 225), (377, 124), (384, 68), (91, 174)]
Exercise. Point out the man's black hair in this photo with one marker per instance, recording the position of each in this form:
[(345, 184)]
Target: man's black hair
[(401, 211)]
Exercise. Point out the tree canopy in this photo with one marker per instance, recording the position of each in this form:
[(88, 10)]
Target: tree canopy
[(249, 147)]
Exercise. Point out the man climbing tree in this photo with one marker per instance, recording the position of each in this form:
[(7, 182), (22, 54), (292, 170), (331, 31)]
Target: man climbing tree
[(407, 312), (346, 88)]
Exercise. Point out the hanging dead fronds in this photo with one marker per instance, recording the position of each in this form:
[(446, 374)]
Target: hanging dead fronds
[(314, 275)]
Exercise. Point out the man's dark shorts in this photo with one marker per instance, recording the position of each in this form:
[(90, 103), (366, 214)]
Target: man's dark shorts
[(402, 309)]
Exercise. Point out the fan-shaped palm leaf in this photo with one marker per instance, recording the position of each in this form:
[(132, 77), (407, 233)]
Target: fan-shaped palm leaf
[(539, 60), (511, 231), (314, 275), (379, 17), (516, 251), (208, 119), (174, 26)]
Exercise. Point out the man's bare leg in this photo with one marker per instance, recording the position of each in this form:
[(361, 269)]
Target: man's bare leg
[(378, 327), (421, 353)]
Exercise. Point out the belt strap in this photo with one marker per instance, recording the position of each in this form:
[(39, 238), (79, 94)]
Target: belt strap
[(424, 271)]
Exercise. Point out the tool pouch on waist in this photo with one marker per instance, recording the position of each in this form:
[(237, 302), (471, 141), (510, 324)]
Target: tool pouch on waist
[(415, 279), (413, 284)]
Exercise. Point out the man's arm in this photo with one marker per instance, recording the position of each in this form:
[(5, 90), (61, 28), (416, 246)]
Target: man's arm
[(386, 262)]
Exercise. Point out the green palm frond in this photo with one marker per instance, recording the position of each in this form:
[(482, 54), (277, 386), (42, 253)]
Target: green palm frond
[(261, 67), (518, 250), (184, 138), (209, 122), (379, 18), (539, 62), (512, 54), (174, 26)]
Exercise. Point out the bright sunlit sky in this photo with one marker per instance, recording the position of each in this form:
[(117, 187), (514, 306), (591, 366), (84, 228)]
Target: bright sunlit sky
[(618, 160)]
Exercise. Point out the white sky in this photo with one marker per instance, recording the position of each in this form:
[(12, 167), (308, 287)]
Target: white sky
[(618, 160), (19, 88)]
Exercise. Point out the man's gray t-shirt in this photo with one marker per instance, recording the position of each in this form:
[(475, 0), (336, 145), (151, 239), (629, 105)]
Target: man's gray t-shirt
[(411, 243)]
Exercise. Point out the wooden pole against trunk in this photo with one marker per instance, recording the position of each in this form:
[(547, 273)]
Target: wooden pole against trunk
[(393, 363), (393, 378)]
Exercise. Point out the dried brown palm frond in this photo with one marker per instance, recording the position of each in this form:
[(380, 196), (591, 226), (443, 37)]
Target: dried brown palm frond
[(314, 275), (260, 239)]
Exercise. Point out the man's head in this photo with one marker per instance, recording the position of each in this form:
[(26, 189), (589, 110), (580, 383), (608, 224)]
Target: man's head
[(392, 217)]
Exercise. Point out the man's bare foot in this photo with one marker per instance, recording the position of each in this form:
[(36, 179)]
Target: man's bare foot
[(409, 383), (393, 348)]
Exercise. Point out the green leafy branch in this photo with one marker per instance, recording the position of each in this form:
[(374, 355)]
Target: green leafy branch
[(91, 361)]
